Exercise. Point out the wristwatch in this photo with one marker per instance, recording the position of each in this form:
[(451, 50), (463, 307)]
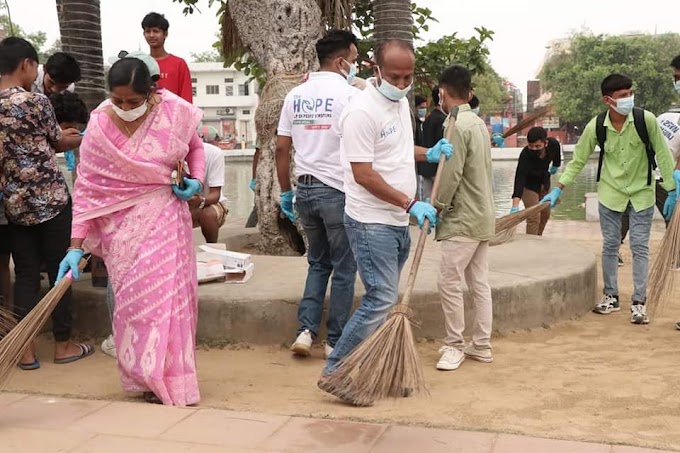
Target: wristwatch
[(200, 206)]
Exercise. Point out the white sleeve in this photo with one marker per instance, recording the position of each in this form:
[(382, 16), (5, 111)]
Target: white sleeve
[(358, 136), (286, 120), (215, 169)]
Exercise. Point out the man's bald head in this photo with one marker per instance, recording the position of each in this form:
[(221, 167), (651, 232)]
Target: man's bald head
[(396, 61), (398, 45)]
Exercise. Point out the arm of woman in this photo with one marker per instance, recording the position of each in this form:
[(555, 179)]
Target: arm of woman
[(196, 158)]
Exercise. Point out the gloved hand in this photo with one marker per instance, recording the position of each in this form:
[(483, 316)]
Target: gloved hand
[(70, 160), (443, 146), (514, 209), (253, 184), (70, 263), (191, 188), (422, 210), (676, 177), (499, 140), (669, 205), (287, 205), (553, 169), (552, 197)]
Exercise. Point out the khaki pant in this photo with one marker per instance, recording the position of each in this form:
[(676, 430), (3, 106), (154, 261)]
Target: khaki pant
[(535, 224), (469, 260)]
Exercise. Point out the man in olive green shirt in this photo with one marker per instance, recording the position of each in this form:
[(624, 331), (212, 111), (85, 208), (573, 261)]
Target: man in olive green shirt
[(467, 223), (623, 187)]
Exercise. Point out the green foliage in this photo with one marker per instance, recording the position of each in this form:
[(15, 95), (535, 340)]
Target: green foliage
[(574, 76), (489, 89), (38, 39)]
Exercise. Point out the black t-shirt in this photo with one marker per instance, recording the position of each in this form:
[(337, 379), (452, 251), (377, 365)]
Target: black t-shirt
[(433, 131), (532, 170)]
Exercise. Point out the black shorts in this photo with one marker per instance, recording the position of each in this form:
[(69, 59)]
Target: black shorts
[(4, 240)]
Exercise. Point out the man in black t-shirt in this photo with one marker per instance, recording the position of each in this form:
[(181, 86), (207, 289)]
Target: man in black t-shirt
[(433, 131), (537, 161)]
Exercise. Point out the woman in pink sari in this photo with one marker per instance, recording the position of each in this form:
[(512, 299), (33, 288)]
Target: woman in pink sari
[(127, 211)]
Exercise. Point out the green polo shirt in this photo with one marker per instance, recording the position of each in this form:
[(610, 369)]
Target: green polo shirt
[(624, 171)]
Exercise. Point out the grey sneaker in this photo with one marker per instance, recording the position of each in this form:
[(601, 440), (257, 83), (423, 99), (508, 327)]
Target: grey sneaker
[(638, 314), (608, 304), (481, 355)]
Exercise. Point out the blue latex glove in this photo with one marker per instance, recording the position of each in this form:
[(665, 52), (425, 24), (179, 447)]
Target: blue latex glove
[(499, 140), (287, 205), (442, 147), (552, 197), (553, 169), (422, 210), (70, 160), (514, 209), (191, 188), (669, 205), (676, 177), (70, 263), (253, 184)]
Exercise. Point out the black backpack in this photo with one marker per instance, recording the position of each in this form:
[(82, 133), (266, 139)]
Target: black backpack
[(640, 128)]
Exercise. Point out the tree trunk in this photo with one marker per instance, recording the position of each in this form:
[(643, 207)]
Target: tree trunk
[(282, 42), (81, 36), (393, 20)]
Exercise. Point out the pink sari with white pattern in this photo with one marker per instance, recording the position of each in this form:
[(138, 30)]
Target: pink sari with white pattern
[(123, 205)]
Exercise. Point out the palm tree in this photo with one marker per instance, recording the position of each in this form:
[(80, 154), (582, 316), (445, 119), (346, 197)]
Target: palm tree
[(81, 36), (393, 20)]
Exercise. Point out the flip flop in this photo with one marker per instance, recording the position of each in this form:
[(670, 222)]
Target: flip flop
[(85, 351), (150, 397), (30, 366)]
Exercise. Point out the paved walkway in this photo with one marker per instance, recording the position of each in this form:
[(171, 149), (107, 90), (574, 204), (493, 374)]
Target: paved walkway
[(43, 424)]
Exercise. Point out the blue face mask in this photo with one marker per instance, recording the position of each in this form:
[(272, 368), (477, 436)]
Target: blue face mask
[(422, 113), (475, 110), (676, 85), (390, 91), (625, 105), (352, 71)]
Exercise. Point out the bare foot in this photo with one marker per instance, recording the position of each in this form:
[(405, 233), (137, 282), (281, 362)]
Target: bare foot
[(67, 349), (29, 356)]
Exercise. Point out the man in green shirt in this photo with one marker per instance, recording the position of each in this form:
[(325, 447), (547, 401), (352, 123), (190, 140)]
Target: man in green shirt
[(624, 187), (467, 223)]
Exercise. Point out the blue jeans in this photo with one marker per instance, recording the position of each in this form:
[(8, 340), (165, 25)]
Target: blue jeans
[(321, 211), (640, 230), (381, 251)]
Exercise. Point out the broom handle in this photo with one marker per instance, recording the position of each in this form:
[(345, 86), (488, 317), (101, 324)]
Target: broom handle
[(406, 299)]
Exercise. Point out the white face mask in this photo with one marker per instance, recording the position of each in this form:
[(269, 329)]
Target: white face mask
[(130, 115)]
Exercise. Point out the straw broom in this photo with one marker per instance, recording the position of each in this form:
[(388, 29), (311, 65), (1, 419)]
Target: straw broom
[(386, 363), (14, 344), (665, 266), (512, 220)]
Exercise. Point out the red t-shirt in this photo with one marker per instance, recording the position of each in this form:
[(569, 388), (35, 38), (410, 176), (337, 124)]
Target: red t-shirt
[(175, 76)]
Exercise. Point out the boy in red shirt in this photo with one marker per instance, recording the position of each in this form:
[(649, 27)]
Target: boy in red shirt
[(175, 75)]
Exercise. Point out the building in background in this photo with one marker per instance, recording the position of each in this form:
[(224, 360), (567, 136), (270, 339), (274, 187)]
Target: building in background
[(229, 99)]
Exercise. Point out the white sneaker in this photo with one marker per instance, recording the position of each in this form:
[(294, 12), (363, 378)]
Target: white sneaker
[(109, 347), (327, 351), (451, 358), (303, 344), (481, 355), (638, 314)]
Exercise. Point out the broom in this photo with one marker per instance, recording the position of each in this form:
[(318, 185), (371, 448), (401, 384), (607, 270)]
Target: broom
[(665, 266), (512, 220), (386, 363), (15, 343)]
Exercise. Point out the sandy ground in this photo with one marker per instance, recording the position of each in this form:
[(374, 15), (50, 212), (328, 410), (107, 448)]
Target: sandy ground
[(598, 378)]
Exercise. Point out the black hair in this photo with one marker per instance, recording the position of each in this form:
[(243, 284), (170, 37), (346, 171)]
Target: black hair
[(382, 47), (130, 72), (419, 99), (155, 20), (13, 51), (675, 63), (69, 108), (615, 82), (334, 43), (474, 102), (457, 81), (537, 134), (435, 94), (63, 68)]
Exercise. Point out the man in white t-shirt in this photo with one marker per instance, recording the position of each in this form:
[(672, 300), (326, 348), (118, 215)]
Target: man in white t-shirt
[(309, 122), (59, 73), (380, 185), (209, 209)]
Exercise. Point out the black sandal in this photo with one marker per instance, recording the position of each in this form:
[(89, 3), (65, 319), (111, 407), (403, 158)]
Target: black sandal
[(150, 397)]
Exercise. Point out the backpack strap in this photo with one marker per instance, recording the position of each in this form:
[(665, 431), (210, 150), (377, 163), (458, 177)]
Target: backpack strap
[(641, 129), (601, 133)]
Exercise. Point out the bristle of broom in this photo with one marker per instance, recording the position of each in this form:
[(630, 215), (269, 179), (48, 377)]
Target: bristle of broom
[(15, 343), (512, 220), (7, 321), (664, 267), (503, 237), (384, 365)]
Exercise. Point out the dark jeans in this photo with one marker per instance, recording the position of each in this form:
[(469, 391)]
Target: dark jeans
[(661, 196), (31, 247), (321, 209)]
